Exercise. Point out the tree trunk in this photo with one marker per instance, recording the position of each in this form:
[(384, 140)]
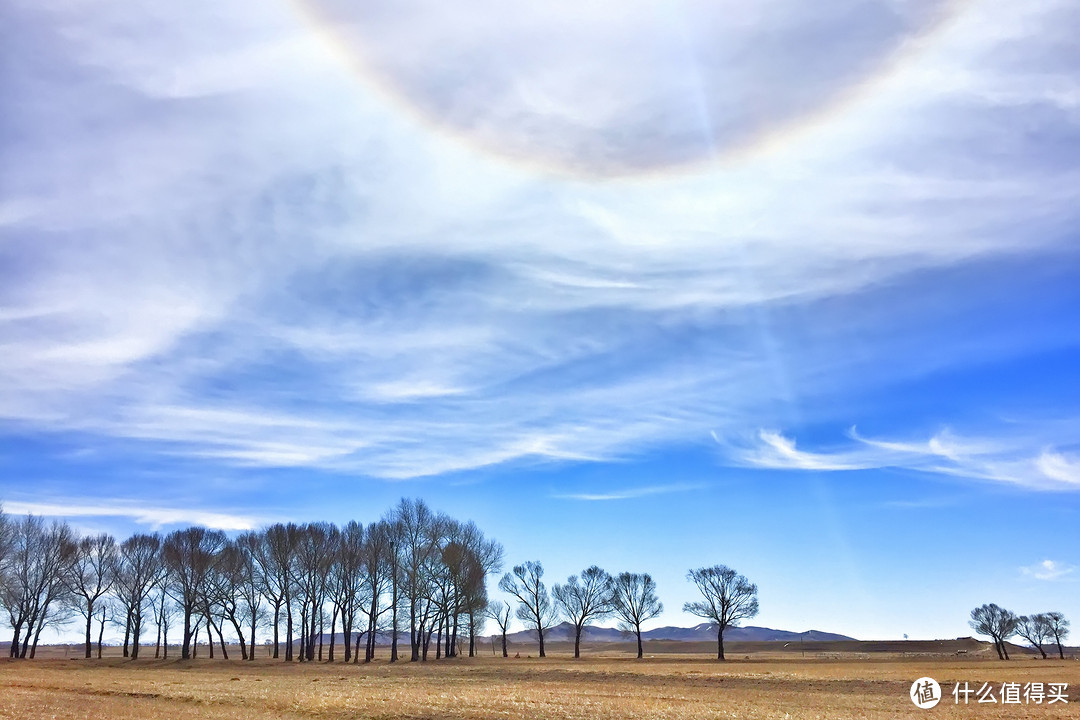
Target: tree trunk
[(277, 622), (577, 641), (333, 636), (89, 617), (240, 636), (221, 639), (505, 654), (157, 643), (288, 631), (185, 649), (136, 635), (637, 629), (14, 650), (393, 638), (414, 636), (720, 644), (209, 633), (1061, 651), (254, 622), (101, 633), (127, 632), (540, 632)]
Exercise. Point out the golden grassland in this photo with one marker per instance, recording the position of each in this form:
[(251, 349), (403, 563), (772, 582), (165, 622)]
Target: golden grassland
[(773, 682)]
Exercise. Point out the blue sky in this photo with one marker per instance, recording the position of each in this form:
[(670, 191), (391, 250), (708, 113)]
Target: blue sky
[(649, 285)]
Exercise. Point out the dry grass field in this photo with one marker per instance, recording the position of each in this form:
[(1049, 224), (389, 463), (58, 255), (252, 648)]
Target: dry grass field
[(850, 681)]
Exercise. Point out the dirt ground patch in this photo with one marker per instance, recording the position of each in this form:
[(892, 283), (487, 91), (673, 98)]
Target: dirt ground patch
[(666, 686)]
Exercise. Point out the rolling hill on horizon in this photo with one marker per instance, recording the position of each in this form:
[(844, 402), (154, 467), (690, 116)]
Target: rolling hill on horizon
[(697, 633)]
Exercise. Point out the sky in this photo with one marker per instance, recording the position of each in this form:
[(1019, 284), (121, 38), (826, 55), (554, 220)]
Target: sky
[(651, 285)]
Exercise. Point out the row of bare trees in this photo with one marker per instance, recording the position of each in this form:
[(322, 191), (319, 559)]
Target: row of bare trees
[(1040, 629), (727, 598), (414, 573)]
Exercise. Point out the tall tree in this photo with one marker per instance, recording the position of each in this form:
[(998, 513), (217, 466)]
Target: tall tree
[(996, 622), (728, 598), (190, 555), (92, 575), (414, 520), (139, 570), (525, 582), (499, 611), (483, 557), (1059, 629), (584, 600), (348, 583), (380, 578), (1035, 629), (277, 556), (633, 601), (251, 584), (36, 579)]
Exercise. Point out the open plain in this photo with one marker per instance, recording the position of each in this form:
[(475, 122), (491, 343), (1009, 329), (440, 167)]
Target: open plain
[(761, 680)]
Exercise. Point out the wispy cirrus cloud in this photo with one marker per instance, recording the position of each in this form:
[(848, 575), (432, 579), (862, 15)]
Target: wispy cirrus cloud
[(337, 287), (1048, 570), (631, 493), (1013, 459), (154, 517)]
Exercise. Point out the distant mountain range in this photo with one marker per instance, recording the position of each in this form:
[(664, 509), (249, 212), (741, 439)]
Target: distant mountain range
[(698, 633), (705, 632)]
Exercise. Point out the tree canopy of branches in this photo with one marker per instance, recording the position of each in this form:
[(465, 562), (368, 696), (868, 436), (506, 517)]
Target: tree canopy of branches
[(499, 611), (525, 582), (1035, 629), (728, 598), (581, 601), (1059, 629), (634, 601), (190, 555), (996, 622), (93, 573), (35, 582)]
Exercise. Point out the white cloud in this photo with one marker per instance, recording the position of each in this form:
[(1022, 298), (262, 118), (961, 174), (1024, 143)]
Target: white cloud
[(155, 517), (1048, 570), (631, 493), (222, 245), (1009, 459)]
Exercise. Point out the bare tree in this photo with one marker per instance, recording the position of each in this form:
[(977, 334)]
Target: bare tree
[(483, 557), (139, 571), (163, 611), (634, 601), (276, 558), (251, 584), (190, 554), (1035, 629), (348, 594), (92, 575), (526, 584), (728, 598), (36, 579), (1059, 629), (582, 601), (499, 611), (315, 549), (379, 565), (996, 622), (414, 519)]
